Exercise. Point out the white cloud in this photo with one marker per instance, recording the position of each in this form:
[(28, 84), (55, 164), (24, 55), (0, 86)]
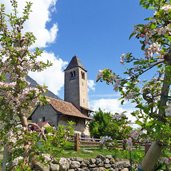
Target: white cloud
[(107, 105), (111, 105), (91, 85), (53, 77), (104, 96), (39, 17), (41, 13)]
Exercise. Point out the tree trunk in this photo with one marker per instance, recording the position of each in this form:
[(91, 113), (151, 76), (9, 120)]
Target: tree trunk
[(164, 93), (5, 158), (23, 120), (154, 152), (152, 156)]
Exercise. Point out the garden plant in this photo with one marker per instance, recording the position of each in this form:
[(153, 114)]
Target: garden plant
[(147, 80)]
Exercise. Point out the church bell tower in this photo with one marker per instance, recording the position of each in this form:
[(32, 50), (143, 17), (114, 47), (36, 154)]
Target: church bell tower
[(75, 88)]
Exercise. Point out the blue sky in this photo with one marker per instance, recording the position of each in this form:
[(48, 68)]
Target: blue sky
[(97, 31)]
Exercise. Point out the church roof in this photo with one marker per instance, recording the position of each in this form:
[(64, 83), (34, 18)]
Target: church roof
[(75, 62), (66, 108)]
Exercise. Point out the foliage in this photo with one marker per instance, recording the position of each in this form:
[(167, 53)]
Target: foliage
[(57, 139), (152, 95), (17, 58), (40, 146), (106, 124)]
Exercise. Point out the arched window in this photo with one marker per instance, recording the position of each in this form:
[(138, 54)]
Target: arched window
[(72, 75), (82, 75)]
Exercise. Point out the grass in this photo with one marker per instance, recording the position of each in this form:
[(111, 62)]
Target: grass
[(135, 155)]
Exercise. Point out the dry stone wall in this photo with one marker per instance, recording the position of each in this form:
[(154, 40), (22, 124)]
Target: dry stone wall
[(100, 163)]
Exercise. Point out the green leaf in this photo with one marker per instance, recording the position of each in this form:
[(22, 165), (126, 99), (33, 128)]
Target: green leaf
[(153, 26), (140, 106), (138, 122), (132, 34)]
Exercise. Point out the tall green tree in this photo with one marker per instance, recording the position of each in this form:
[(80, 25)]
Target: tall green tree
[(151, 96), (107, 124)]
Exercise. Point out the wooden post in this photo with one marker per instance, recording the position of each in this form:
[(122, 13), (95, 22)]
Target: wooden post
[(124, 144), (77, 142)]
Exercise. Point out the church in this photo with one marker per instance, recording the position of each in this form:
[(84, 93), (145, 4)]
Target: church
[(74, 107)]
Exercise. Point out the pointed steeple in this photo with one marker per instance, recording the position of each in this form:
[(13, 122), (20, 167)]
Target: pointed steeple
[(75, 62)]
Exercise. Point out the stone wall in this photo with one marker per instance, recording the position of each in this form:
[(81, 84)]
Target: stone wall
[(100, 163), (47, 112), (80, 125)]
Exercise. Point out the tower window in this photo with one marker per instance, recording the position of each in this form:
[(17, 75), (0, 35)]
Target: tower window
[(72, 74), (82, 75)]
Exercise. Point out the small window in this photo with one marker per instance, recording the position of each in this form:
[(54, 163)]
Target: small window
[(72, 74), (82, 75), (76, 121), (43, 119)]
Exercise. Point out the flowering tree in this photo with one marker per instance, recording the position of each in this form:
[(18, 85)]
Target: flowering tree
[(16, 95), (16, 60), (151, 96)]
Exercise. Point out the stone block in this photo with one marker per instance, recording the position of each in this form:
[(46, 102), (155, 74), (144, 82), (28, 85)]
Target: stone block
[(54, 167), (40, 167), (74, 164), (107, 166)]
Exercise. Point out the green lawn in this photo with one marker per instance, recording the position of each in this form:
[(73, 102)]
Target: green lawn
[(135, 155)]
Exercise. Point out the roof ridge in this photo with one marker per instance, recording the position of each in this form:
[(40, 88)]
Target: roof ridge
[(75, 62)]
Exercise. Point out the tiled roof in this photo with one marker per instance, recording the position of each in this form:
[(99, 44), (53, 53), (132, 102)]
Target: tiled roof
[(66, 108), (75, 62)]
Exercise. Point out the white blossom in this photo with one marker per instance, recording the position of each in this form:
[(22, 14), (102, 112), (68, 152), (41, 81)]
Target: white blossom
[(47, 157), (122, 58), (50, 134), (152, 49), (7, 85), (100, 75), (166, 7), (165, 160), (16, 160), (135, 134), (117, 84), (168, 110), (105, 139), (129, 143), (130, 95)]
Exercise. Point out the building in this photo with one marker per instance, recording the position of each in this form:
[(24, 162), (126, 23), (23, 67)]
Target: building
[(74, 107), (76, 88)]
